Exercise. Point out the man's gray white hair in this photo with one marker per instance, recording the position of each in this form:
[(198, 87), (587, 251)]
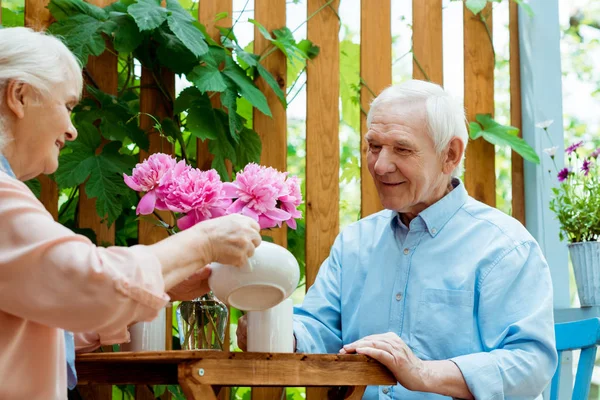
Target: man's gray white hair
[(37, 59), (445, 115)]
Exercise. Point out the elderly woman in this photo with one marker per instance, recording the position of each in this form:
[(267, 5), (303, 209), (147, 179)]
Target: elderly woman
[(53, 281)]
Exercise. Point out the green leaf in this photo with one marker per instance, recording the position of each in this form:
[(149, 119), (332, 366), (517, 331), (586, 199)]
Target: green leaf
[(246, 87), (74, 169), (207, 78), (173, 53), (261, 29), (502, 135), (35, 186), (266, 75), (63, 9), (148, 14), (117, 162), (227, 33), (12, 18), (105, 184), (248, 149), (201, 122), (244, 109), (284, 40), (475, 5), (82, 35), (236, 123), (124, 31), (186, 28), (159, 390), (187, 97), (220, 16), (349, 83), (222, 149), (475, 130), (308, 48)]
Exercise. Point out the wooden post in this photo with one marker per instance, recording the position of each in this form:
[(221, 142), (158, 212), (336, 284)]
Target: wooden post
[(480, 174), (376, 73), (427, 41), (272, 130), (322, 142), (518, 173), (38, 17)]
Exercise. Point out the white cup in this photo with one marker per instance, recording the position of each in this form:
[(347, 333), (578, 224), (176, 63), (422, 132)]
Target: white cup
[(272, 330), (148, 336)]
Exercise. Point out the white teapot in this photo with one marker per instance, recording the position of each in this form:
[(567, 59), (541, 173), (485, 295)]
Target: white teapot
[(270, 276)]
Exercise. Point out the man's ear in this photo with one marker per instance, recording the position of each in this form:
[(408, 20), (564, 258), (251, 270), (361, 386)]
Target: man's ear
[(15, 96), (452, 155)]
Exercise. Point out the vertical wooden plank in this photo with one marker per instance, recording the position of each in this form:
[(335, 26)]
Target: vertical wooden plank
[(427, 41), (207, 10), (322, 142), (38, 17), (480, 175), (272, 131), (103, 70), (518, 173), (376, 72)]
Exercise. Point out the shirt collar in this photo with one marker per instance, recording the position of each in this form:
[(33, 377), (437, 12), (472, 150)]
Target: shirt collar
[(436, 216), (5, 167)]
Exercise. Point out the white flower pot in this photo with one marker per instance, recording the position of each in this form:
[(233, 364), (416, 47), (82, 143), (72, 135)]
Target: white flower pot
[(270, 276), (148, 336), (585, 257)]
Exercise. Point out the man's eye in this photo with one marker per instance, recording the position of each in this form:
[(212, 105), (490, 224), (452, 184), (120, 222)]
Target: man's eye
[(374, 147)]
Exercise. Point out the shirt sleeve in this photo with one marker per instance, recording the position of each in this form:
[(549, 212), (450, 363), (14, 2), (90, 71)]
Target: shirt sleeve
[(52, 276), (516, 325), (317, 323)]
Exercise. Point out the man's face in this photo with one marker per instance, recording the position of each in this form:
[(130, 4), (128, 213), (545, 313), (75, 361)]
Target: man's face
[(402, 158)]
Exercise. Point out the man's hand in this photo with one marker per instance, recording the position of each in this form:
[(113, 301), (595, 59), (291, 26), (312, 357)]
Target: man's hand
[(392, 352), (441, 377), (193, 287)]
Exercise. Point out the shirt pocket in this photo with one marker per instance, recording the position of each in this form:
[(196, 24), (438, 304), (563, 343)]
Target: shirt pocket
[(444, 327)]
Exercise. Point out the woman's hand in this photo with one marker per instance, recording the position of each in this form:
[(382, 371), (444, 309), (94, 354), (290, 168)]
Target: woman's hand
[(193, 287), (231, 239)]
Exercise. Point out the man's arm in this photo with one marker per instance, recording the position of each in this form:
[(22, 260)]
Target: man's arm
[(317, 323)]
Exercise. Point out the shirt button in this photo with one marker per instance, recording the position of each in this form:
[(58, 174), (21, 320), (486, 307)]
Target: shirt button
[(385, 390), (434, 231), (398, 296), (406, 251)]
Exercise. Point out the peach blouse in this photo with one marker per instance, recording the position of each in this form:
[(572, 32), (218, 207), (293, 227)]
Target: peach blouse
[(53, 279)]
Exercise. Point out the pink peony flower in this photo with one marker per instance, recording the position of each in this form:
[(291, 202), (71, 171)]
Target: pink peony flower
[(198, 194), (146, 177), (257, 190), (292, 199)]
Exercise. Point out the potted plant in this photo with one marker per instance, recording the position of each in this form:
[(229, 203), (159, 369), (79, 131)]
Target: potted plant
[(576, 203)]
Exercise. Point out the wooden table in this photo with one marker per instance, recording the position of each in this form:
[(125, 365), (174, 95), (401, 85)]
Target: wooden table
[(201, 374)]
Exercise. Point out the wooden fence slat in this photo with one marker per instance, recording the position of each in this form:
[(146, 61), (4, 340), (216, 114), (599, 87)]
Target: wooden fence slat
[(38, 17), (427, 41), (518, 172), (103, 70), (376, 73), (272, 131), (322, 139), (480, 175), (207, 10)]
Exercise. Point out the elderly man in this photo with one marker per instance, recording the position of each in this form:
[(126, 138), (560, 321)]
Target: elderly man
[(453, 296)]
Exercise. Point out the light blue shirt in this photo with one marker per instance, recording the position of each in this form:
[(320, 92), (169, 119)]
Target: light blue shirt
[(463, 282), (69, 339)]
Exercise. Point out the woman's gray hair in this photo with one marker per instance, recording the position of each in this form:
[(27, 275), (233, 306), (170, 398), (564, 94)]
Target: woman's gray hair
[(445, 116), (37, 59)]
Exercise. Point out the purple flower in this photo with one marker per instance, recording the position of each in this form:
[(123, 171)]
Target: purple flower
[(563, 174), (586, 167), (573, 147), (595, 153)]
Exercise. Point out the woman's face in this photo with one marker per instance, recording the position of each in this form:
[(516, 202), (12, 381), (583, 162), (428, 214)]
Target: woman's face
[(40, 127)]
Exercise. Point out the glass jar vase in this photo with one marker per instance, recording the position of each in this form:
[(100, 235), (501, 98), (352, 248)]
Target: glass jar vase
[(202, 323)]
